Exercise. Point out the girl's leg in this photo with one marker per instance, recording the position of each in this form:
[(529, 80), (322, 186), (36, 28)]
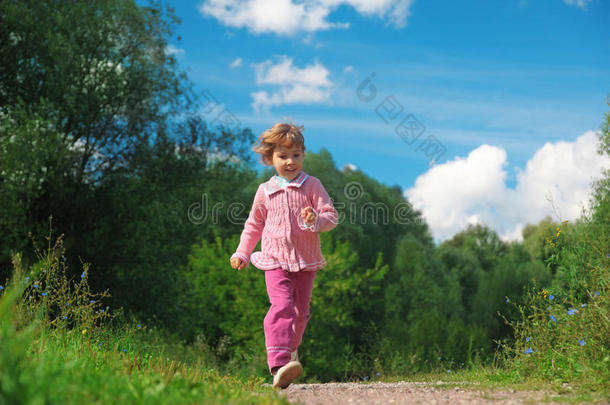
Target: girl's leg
[(279, 334), (303, 283)]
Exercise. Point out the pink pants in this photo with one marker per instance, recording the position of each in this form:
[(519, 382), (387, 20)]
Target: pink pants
[(289, 295)]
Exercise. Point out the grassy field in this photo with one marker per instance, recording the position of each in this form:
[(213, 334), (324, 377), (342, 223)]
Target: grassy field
[(137, 365), (40, 365), (59, 345)]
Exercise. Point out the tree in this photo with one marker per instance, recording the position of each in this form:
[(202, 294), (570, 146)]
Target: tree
[(103, 67), (483, 242), (34, 159), (600, 201), (537, 241), (99, 130), (372, 216)]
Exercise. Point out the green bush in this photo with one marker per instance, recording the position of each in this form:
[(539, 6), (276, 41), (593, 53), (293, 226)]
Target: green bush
[(341, 340), (225, 307), (564, 333)]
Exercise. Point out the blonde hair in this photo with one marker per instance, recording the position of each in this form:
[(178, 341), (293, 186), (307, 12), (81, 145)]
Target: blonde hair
[(281, 134)]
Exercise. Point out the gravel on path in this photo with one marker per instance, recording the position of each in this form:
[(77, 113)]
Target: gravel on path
[(411, 393)]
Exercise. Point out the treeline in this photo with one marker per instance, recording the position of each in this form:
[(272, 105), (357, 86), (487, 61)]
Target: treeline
[(99, 129), (100, 139)]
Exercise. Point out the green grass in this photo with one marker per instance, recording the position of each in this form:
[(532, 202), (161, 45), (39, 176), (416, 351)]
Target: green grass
[(53, 369), (58, 346), (563, 335)]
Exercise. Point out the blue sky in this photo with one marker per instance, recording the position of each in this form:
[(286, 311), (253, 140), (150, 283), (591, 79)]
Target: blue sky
[(514, 75)]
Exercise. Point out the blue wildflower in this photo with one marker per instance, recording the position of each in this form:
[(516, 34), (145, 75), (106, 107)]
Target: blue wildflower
[(581, 342), (448, 371), (553, 318), (1, 288), (139, 326), (67, 304), (65, 317), (507, 299), (92, 302), (596, 293), (365, 378), (571, 311), (44, 294), (529, 350), (527, 339), (82, 275), (608, 256), (583, 305), (125, 350), (35, 285), (102, 311), (378, 374), (27, 278), (551, 297), (99, 345)]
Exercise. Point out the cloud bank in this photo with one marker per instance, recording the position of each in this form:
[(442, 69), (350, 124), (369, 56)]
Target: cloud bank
[(287, 17), (556, 182)]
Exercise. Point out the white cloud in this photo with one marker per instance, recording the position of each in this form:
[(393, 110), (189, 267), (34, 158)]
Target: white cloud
[(172, 50), (296, 85), (578, 3), (348, 69), (287, 17), (556, 181), (236, 63), (349, 167), (515, 234)]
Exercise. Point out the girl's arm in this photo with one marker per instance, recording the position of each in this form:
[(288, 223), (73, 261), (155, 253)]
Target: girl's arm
[(326, 214), (253, 227)]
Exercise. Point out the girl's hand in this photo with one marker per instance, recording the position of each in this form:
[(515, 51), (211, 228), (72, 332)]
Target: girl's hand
[(237, 263), (309, 216)]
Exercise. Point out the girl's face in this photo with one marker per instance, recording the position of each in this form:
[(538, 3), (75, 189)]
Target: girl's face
[(288, 161)]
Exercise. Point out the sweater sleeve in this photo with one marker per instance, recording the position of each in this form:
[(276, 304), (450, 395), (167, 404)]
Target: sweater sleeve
[(326, 214), (253, 227)]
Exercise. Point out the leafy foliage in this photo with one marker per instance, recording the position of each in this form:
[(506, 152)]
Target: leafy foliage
[(98, 130), (101, 65)]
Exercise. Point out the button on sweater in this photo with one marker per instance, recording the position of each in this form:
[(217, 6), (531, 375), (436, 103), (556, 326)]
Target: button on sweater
[(275, 217)]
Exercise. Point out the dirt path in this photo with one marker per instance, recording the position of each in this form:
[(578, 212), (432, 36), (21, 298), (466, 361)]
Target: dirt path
[(410, 393)]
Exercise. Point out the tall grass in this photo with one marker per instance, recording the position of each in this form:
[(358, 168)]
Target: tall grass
[(58, 344), (564, 331)]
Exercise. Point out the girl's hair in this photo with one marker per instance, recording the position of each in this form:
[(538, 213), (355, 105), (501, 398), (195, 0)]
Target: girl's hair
[(281, 134)]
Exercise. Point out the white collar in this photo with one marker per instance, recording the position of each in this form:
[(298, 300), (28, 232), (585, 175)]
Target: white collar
[(272, 185)]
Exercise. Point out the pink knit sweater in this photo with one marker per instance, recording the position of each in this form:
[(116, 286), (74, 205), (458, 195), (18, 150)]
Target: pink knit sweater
[(276, 217)]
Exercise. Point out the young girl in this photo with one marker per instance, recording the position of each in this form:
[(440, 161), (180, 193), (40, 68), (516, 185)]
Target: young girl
[(288, 212)]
